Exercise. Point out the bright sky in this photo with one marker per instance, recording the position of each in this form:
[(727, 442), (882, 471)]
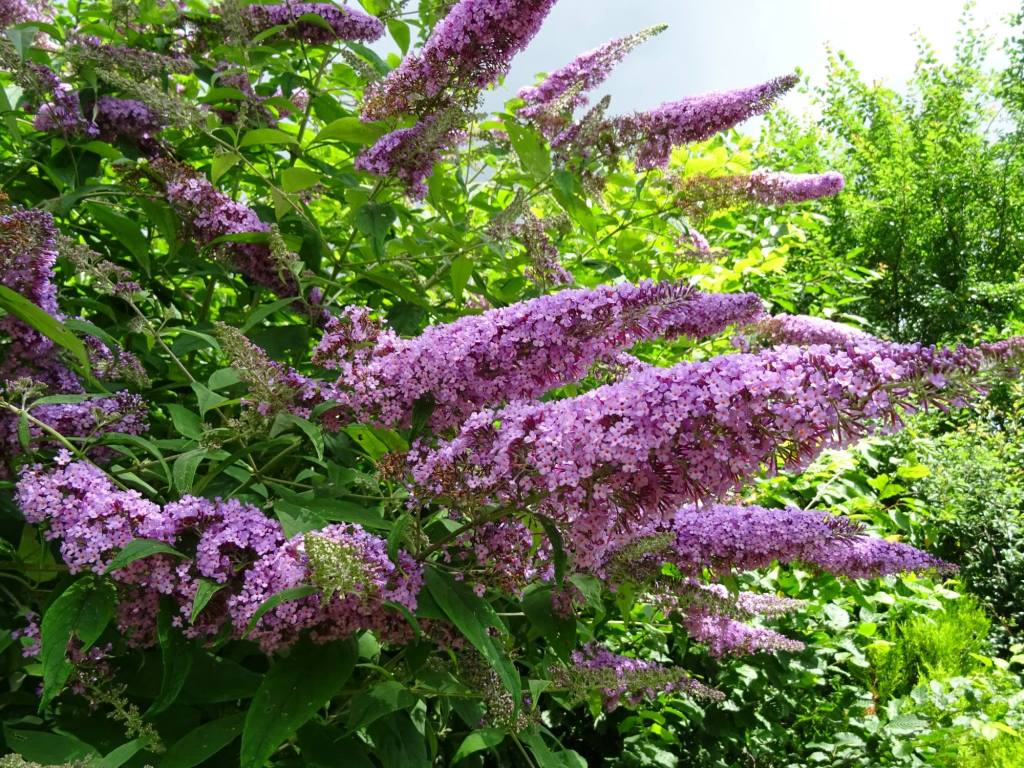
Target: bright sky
[(722, 44)]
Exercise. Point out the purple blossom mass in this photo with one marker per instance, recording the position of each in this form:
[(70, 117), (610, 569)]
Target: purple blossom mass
[(212, 214), (19, 11), (229, 543), (774, 188), (339, 22), (620, 677), (665, 437), (409, 154), (468, 50), (127, 119), (28, 252), (515, 352), (565, 89), (697, 118)]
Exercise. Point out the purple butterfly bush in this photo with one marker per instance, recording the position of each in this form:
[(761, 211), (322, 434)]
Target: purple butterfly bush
[(468, 50), (20, 11), (62, 111), (514, 353), (665, 437), (726, 636), (550, 104), (235, 546), (776, 188), (127, 119), (28, 252), (210, 214), (409, 154), (339, 22), (696, 118), (623, 678)]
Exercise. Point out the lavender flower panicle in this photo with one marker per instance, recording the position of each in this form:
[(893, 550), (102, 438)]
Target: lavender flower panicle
[(28, 251), (339, 22), (234, 545), (551, 103), (724, 635), (127, 119), (775, 188), (515, 352), (697, 118), (211, 214), (468, 50), (622, 677), (665, 437), (409, 154)]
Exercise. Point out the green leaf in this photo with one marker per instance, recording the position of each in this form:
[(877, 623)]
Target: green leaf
[(400, 33), (312, 431), (138, 549), (184, 469), (84, 609), (297, 179), (205, 591), (474, 617), (207, 398), (383, 699), (292, 691), (558, 630), (374, 220), (398, 742), (118, 756), (266, 310), (529, 146), (185, 421), (367, 440), (260, 136), (125, 230), (40, 320), (477, 741), (284, 596), (203, 742), (223, 163), (351, 130), (47, 748), (460, 272), (176, 655)]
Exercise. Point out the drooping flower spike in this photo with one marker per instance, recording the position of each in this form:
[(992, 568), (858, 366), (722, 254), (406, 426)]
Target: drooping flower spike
[(565, 89), (697, 118), (516, 352), (336, 22), (468, 50)]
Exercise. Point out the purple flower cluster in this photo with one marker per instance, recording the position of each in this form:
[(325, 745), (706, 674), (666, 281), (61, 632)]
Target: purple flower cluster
[(339, 22), (409, 154), (723, 537), (516, 352), (212, 214), (19, 11), (468, 50), (805, 330), (662, 438), (62, 113), (28, 251), (127, 119), (724, 635), (551, 103), (331, 613), (234, 546), (697, 118), (622, 677), (774, 188)]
